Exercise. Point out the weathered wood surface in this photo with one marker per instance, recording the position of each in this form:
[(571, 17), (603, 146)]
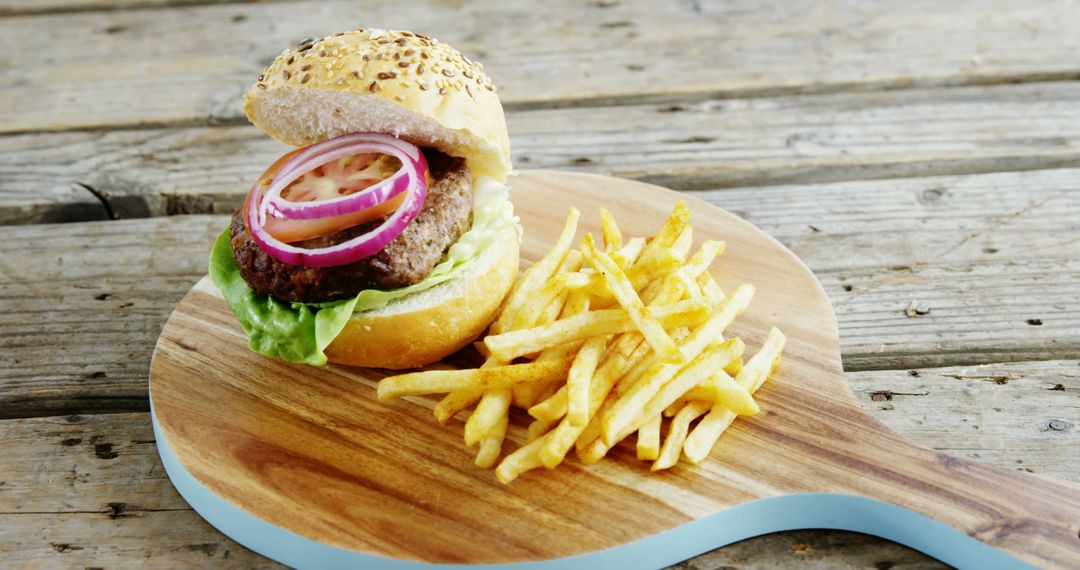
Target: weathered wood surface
[(708, 144), (987, 254), (113, 484), (183, 66), (33, 7)]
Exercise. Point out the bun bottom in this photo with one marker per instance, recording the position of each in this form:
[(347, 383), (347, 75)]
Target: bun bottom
[(422, 328)]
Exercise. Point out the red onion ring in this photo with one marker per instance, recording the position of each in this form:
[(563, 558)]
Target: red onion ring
[(368, 197), (413, 172), (351, 138), (334, 149)]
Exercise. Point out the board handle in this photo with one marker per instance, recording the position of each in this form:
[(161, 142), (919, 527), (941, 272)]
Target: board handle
[(1033, 518)]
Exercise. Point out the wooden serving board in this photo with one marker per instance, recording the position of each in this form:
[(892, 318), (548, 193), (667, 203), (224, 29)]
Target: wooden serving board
[(307, 466)]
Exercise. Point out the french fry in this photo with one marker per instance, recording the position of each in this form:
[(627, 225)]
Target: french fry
[(660, 372), (552, 408), (734, 367), (703, 366), (547, 302), (669, 232), (577, 382), (526, 395), (491, 444), (558, 443), (627, 297), (525, 458), (758, 368), (634, 374), (733, 395), (648, 439), (592, 452), (455, 402), (492, 409), (612, 235), (537, 428), (625, 358), (722, 389), (441, 381), (644, 271), (701, 441), (621, 355), (536, 275), (674, 285), (710, 288), (673, 443), (510, 345), (632, 250), (681, 248)]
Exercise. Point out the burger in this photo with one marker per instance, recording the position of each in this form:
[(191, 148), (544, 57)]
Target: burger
[(387, 239)]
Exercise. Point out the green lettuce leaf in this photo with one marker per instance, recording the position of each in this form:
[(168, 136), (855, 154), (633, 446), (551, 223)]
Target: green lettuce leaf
[(300, 332)]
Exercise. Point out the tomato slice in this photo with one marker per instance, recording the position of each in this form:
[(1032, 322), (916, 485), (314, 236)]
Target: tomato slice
[(338, 178)]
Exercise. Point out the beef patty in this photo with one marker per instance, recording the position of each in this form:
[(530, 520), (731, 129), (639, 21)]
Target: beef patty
[(407, 259)]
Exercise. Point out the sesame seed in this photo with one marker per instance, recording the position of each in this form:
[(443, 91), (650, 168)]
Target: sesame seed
[(467, 73), (306, 67), (356, 74), (291, 60), (448, 72), (373, 87), (367, 57), (340, 81), (286, 74), (307, 76), (261, 86), (381, 42), (424, 55), (442, 91), (410, 52), (467, 90), (387, 75), (489, 87), (322, 53), (423, 86), (261, 77), (401, 41), (404, 64), (397, 55)]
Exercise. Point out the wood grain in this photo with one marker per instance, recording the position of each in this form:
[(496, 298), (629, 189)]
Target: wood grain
[(188, 71), (955, 243), (278, 432), (706, 145)]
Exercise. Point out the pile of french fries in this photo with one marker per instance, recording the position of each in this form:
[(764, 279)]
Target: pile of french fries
[(598, 344)]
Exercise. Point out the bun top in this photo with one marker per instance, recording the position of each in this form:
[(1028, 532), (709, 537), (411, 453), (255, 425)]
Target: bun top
[(409, 85)]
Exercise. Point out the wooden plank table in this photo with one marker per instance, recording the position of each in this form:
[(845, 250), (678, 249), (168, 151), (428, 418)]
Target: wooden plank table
[(906, 151)]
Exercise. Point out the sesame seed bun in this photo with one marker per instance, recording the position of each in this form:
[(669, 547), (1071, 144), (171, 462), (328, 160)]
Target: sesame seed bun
[(412, 86)]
